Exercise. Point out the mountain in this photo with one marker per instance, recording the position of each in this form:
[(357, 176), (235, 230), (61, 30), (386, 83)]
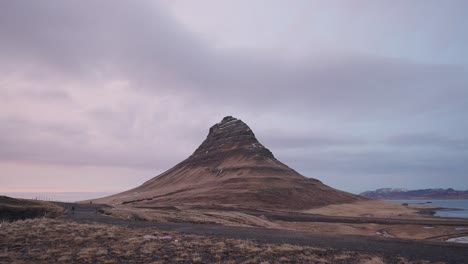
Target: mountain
[(232, 169), (403, 194)]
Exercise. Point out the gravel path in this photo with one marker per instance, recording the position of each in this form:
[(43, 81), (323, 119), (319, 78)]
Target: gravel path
[(390, 247)]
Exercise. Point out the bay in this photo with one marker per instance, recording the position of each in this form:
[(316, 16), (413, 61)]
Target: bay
[(459, 207)]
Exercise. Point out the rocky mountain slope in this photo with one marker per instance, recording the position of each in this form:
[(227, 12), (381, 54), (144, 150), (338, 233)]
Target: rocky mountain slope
[(231, 168), (403, 194)]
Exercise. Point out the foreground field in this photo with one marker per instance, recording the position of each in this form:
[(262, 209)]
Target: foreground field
[(85, 234), (367, 218), (65, 241)]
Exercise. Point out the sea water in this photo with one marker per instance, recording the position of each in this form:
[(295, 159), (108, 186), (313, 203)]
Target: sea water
[(459, 207)]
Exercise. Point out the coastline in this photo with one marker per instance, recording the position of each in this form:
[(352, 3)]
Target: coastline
[(420, 198)]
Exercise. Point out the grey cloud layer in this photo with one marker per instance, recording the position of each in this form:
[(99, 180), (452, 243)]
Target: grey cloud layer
[(143, 43), (428, 140), (400, 102)]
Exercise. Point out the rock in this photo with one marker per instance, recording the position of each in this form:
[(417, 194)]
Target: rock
[(463, 240), (229, 137)]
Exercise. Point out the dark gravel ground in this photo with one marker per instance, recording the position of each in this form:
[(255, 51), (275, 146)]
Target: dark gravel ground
[(388, 247)]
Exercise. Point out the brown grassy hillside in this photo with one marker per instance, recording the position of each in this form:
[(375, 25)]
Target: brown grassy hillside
[(231, 168)]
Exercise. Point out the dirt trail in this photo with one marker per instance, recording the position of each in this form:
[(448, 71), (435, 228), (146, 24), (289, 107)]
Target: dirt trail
[(412, 250)]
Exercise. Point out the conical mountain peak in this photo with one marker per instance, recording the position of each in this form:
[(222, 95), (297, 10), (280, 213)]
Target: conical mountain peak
[(231, 168), (231, 135), (230, 127)]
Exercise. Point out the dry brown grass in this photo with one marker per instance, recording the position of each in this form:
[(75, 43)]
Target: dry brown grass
[(199, 216), (12, 209), (233, 218), (373, 260), (402, 231), (63, 241), (372, 208)]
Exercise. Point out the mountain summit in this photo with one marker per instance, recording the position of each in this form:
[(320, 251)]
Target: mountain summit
[(231, 168), (230, 136)]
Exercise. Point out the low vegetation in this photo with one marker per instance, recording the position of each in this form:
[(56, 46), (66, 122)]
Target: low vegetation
[(238, 218), (63, 241), (12, 209), (189, 215)]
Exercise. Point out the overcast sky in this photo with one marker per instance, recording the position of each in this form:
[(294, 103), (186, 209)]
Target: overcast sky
[(103, 95)]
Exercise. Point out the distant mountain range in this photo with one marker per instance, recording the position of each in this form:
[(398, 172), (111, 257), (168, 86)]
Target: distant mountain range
[(404, 194)]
